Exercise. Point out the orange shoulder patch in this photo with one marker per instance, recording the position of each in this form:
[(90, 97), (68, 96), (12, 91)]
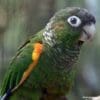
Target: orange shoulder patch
[(38, 48)]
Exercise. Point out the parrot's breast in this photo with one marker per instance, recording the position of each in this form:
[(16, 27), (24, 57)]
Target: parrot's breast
[(56, 71)]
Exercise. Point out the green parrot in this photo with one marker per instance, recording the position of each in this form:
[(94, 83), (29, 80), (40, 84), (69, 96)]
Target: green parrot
[(43, 68)]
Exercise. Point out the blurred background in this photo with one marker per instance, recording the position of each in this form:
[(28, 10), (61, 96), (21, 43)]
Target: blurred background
[(19, 19)]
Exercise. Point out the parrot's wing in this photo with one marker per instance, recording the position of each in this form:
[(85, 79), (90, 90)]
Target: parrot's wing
[(16, 67), (24, 44), (21, 66), (28, 40)]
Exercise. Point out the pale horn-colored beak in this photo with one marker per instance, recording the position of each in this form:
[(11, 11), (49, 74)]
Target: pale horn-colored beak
[(88, 32)]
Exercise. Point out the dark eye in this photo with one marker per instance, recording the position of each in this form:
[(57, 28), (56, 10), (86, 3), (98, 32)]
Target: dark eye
[(74, 21)]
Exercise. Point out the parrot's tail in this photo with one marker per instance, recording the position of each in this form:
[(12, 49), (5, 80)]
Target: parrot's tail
[(3, 97), (6, 95)]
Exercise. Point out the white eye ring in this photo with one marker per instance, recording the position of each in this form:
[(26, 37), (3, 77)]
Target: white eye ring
[(74, 21)]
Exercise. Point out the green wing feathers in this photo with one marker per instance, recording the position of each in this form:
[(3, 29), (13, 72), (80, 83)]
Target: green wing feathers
[(17, 67), (19, 64)]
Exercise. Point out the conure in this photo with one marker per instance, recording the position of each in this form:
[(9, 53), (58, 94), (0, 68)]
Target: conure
[(43, 68)]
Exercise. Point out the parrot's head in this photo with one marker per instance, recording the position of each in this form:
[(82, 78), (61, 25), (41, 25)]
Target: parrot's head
[(70, 26)]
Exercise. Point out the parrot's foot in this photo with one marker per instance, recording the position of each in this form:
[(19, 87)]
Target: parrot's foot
[(63, 98), (52, 96)]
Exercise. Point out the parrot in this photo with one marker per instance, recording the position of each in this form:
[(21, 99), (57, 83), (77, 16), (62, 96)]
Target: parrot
[(43, 67)]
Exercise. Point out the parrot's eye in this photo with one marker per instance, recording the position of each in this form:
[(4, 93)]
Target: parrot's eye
[(74, 21)]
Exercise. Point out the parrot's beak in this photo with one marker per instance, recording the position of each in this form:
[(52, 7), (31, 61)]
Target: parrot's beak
[(87, 32)]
